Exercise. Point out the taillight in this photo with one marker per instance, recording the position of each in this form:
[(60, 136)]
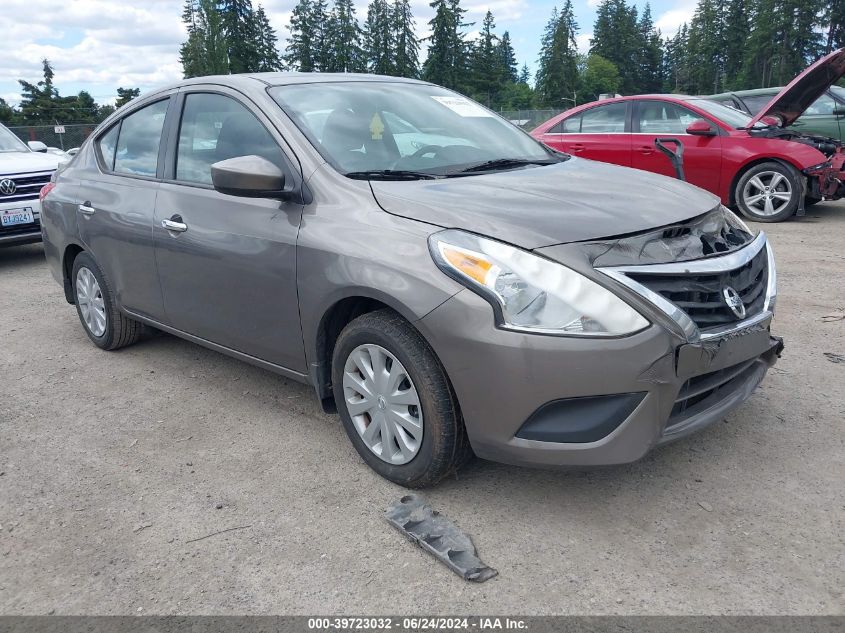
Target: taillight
[(45, 190)]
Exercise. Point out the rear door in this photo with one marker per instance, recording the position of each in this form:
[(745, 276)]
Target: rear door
[(702, 158), (598, 133), (228, 273), (117, 197)]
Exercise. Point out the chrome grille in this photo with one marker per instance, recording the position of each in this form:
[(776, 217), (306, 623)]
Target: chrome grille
[(27, 186), (700, 295)]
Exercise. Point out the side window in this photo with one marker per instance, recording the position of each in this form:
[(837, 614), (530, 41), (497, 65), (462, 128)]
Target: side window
[(107, 145), (823, 105), (662, 117), (755, 103), (572, 125), (214, 128), (606, 119), (140, 138)]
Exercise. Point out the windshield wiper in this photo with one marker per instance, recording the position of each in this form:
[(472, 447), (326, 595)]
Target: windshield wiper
[(390, 174), (505, 163)]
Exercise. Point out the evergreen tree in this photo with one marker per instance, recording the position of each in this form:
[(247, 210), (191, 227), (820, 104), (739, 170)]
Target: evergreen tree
[(734, 34), (704, 48), (206, 50), (557, 74), (125, 95), (379, 42), (649, 55), (304, 51), (834, 20), (269, 59), (447, 52), (507, 59), (486, 71), (8, 114), (40, 101), (407, 46), (242, 36), (524, 75), (616, 37), (343, 40)]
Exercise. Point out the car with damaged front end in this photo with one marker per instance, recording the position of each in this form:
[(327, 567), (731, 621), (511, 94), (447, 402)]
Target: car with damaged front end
[(476, 293)]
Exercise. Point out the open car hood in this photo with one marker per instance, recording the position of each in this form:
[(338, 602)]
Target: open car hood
[(790, 103)]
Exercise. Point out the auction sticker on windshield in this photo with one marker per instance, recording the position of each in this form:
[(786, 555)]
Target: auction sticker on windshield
[(463, 106), (11, 217)]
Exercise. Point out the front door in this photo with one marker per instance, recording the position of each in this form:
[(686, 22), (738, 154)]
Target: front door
[(664, 119), (227, 265)]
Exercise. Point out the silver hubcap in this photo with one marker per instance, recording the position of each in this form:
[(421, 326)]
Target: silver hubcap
[(89, 298), (383, 404), (767, 193)]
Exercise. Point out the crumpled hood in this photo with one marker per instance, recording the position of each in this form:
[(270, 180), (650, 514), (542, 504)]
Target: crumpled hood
[(801, 93), (572, 201), (23, 162)]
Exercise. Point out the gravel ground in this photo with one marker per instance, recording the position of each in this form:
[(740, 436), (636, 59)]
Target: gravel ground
[(111, 463)]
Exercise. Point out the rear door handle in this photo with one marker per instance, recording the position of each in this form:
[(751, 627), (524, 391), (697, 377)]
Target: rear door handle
[(86, 209), (646, 149), (174, 224)]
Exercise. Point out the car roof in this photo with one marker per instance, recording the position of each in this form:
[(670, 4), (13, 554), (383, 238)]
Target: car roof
[(252, 80)]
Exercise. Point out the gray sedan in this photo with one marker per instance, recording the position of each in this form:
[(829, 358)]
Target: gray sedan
[(472, 293)]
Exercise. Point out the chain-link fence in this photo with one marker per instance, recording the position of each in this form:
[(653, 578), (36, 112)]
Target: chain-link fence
[(528, 119), (61, 136)]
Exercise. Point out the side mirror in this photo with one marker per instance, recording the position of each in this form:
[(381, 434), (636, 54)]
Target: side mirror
[(700, 127), (771, 121), (37, 146), (249, 177)]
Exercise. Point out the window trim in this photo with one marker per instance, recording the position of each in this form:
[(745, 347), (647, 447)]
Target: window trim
[(173, 129), (627, 130), (152, 100)]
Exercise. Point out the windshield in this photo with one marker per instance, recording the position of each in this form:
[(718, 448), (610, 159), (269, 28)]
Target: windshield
[(11, 143), (403, 129), (730, 116)]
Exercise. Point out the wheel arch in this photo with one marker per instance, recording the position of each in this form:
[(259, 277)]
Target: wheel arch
[(70, 254), (336, 316), (759, 160)]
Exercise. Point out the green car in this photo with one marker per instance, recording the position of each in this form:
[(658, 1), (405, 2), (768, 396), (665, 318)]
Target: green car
[(825, 117)]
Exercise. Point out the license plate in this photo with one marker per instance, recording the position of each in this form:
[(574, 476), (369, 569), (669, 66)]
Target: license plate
[(11, 217)]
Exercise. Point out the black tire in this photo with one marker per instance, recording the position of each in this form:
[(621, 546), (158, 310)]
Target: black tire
[(444, 447), (792, 181), (120, 330)]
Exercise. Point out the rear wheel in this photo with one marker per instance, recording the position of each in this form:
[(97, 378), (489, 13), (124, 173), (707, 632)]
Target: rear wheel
[(395, 401), (768, 192), (104, 324)]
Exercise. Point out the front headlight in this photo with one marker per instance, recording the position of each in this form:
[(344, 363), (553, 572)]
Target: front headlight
[(530, 293), (732, 219)]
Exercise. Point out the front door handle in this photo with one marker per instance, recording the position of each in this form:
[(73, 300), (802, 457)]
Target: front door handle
[(577, 147), (174, 224), (86, 209)]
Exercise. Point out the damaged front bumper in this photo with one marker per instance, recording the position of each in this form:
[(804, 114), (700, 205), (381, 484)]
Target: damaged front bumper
[(827, 180), (560, 401)]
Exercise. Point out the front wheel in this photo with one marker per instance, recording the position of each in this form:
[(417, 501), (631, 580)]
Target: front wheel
[(768, 192), (395, 401)]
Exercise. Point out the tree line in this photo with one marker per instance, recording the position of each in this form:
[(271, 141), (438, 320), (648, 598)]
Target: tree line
[(727, 45), (41, 103), (730, 44)]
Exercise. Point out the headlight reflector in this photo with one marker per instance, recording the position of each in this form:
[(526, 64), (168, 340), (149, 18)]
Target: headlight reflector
[(530, 293)]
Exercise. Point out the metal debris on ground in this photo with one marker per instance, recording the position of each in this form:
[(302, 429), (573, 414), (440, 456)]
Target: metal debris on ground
[(834, 358), (436, 534)]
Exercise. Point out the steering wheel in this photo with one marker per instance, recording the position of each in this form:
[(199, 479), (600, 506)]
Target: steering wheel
[(426, 149)]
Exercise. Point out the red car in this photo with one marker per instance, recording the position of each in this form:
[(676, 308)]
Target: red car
[(752, 163)]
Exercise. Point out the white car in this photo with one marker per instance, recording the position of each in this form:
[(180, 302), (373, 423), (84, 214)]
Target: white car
[(23, 171)]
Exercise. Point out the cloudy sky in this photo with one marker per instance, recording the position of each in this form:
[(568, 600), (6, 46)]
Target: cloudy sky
[(98, 45)]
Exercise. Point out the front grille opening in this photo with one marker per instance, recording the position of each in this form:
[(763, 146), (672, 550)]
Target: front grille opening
[(713, 385), (700, 296)]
